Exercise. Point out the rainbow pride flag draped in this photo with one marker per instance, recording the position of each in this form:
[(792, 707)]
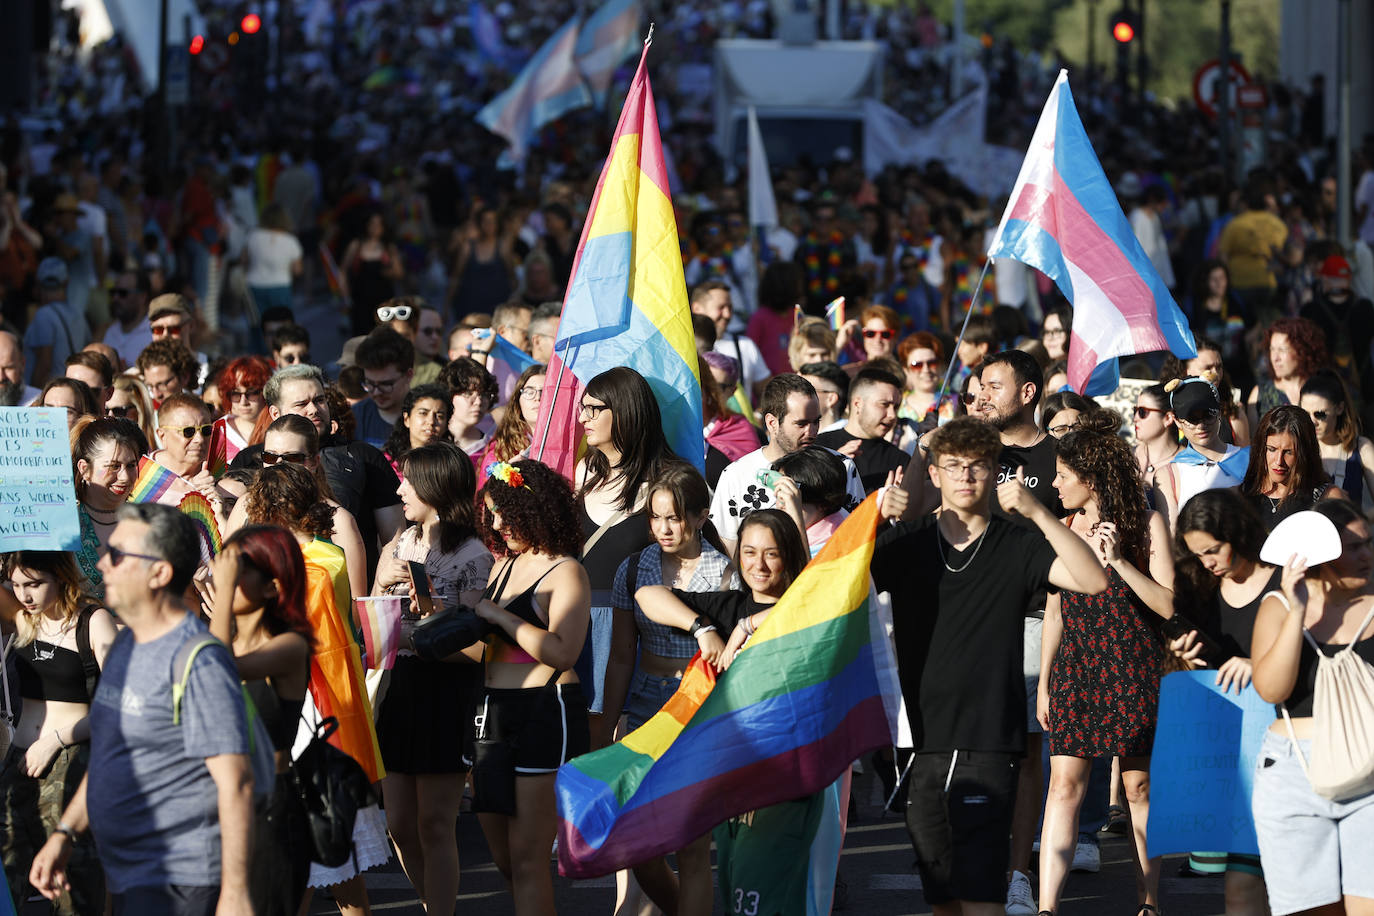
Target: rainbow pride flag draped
[(627, 299), (157, 484), (813, 690)]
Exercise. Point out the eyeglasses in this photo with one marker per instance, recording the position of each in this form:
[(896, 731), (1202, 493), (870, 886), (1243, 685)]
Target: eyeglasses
[(976, 471), (122, 413), (885, 333), (1320, 415), (591, 411), (531, 394), (1142, 412), (271, 458), (918, 365), (118, 556), (167, 330), (1062, 429), (398, 312), (383, 387), (189, 432), (243, 394), (1053, 332)]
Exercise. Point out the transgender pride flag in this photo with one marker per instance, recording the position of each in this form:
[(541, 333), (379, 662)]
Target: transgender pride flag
[(1063, 219)]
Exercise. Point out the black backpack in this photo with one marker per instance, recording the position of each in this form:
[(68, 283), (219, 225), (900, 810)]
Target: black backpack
[(331, 787)]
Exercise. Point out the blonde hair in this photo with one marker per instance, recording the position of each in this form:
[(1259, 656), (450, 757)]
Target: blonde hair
[(141, 402)]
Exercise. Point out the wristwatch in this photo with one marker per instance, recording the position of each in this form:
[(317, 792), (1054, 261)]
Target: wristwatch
[(69, 832), (697, 625)]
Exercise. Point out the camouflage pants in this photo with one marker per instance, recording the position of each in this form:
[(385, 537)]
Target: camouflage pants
[(29, 811)]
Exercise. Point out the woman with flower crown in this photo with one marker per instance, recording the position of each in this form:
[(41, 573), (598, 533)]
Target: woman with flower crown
[(425, 716)]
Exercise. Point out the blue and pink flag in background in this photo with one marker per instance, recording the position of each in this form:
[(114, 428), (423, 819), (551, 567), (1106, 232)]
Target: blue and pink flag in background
[(1063, 219), (608, 38)]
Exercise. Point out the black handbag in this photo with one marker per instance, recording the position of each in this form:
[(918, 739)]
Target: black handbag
[(332, 787), (493, 776), (451, 630)]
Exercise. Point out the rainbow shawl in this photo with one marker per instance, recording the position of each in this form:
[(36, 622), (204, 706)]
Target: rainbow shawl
[(156, 484), (812, 691)]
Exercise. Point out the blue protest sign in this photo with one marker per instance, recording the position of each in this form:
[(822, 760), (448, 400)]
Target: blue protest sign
[(1203, 764), (37, 498)]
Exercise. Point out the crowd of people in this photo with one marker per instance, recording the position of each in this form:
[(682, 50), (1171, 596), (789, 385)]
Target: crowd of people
[(166, 313)]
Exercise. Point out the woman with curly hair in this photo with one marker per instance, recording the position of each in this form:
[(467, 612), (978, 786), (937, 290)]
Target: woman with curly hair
[(423, 421), (240, 385), (259, 612), (1285, 473), (1296, 348), (421, 748), (513, 434), (538, 602), (1102, 651)]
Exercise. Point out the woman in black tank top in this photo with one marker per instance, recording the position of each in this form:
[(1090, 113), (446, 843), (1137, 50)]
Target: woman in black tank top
[(259, 612), (60, 641), (625, 450)]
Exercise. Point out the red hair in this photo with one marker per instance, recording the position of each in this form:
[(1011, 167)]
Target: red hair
[(1307, 339), (277, 555), (921, 340), (248, 371)]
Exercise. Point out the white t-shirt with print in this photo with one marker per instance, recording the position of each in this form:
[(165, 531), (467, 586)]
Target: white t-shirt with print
[(738, 492)]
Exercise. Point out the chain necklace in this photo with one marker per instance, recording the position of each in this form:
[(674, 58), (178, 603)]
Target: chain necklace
[(976, 547)]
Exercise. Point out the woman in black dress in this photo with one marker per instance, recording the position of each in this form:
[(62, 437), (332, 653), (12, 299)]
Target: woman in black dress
[(1102, 651), (1285, 474)]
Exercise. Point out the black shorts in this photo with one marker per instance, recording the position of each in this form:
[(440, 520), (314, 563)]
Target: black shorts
[(547, 725), (959, 811)]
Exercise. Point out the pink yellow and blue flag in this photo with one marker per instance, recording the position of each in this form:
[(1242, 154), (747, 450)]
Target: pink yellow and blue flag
[(627, 300), (609, 37), (813, 690), (1063, 219), (548, 87)]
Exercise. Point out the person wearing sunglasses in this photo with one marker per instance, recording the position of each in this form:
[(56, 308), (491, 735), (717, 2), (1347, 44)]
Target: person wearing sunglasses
[(130, 401), (129, 332), (184, 429), (1208, 461), (240, 386), (923, 365), (876, 333), (1347, 457), (1156, 432)]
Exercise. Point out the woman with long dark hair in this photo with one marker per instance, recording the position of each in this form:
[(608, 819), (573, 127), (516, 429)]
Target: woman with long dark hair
[(60, 641), (421, 748), (1156, 432), (259, 612), (1347, 457), (1102, 652), (423, 421), (1285, 473), (105, 454), (625, 450), (370, 268), (539, 602)]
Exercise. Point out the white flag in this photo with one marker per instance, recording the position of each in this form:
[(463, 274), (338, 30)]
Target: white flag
[(763, 208)]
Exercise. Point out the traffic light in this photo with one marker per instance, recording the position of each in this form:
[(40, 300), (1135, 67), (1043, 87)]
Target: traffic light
[(1124, 27), (250, 24), (197, 44)]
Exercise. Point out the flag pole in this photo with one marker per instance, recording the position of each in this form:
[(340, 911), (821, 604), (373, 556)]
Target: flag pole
[(949, 372)]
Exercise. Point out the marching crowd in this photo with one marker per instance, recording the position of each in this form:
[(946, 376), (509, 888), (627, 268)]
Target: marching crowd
[(166, 314)]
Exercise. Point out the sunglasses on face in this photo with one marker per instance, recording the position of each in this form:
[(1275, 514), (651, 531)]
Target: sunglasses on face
[(167, 330), (399, 312), (271, 458), (1202, 417), (118, 556), (885, 334), (918, 365), (371, 386), (122, 413), (243, 394), (189, 432), (1141, 412), (1320, 415)]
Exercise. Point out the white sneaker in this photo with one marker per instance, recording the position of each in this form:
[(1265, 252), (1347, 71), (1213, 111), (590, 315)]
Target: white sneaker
[(1020, 901), (1086, 857)]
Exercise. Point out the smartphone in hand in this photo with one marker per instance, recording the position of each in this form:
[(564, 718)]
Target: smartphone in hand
[(424, 596)]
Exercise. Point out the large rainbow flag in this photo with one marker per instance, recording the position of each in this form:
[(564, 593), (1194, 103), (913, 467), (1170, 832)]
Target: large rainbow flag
[(812, 691), (157, 484), (627, 299)]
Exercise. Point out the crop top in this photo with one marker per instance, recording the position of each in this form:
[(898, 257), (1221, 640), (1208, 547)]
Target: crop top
[(1299, 702), (522, 606), (51, 672), (280, 715)]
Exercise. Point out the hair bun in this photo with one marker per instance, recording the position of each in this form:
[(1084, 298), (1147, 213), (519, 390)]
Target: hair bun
[(1100, 420), (1172, 384)]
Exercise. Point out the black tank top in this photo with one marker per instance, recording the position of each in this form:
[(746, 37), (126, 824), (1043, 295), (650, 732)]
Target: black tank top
[(522, 605), (281, 716), (1235, 626), (1299, 702), (627, 536), (51, 672)]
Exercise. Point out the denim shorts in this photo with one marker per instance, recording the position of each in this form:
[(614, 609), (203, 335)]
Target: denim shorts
[(596, 653), (648, 693), (1314, 850)]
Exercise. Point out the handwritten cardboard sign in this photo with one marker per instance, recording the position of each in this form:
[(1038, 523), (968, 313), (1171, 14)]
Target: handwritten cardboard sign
[(37, 497), (1203, 765)]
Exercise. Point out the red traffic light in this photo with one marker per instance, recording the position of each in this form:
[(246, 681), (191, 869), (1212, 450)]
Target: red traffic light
[(251, 24), (197, 44), (1123, 32)]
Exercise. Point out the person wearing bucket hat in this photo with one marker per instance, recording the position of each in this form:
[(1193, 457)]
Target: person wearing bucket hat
[(1313, 846), (58, 328), (1207, 461)]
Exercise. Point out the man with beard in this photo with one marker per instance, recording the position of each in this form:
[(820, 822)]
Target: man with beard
[(129, 333), (13, 391), (873, 399), (791, 414)]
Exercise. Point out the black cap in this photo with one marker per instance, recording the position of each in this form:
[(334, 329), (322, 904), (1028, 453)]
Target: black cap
[(1194, 400)]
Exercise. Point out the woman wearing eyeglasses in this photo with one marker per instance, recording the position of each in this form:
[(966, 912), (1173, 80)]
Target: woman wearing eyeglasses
[(1156, 432), (923, 362), (371, 267), (512, 437), (473, 392), (1285, 473), (1060, 412), (1347, 457), (240, 386), (1054, 333), (1208, 461), (105, 453), (184, 431), (423, 421)]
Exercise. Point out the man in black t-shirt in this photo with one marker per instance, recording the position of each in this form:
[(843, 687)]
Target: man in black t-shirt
[(959, 583), (873, 399)]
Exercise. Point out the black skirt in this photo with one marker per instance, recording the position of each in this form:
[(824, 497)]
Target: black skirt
[(425, 723)]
